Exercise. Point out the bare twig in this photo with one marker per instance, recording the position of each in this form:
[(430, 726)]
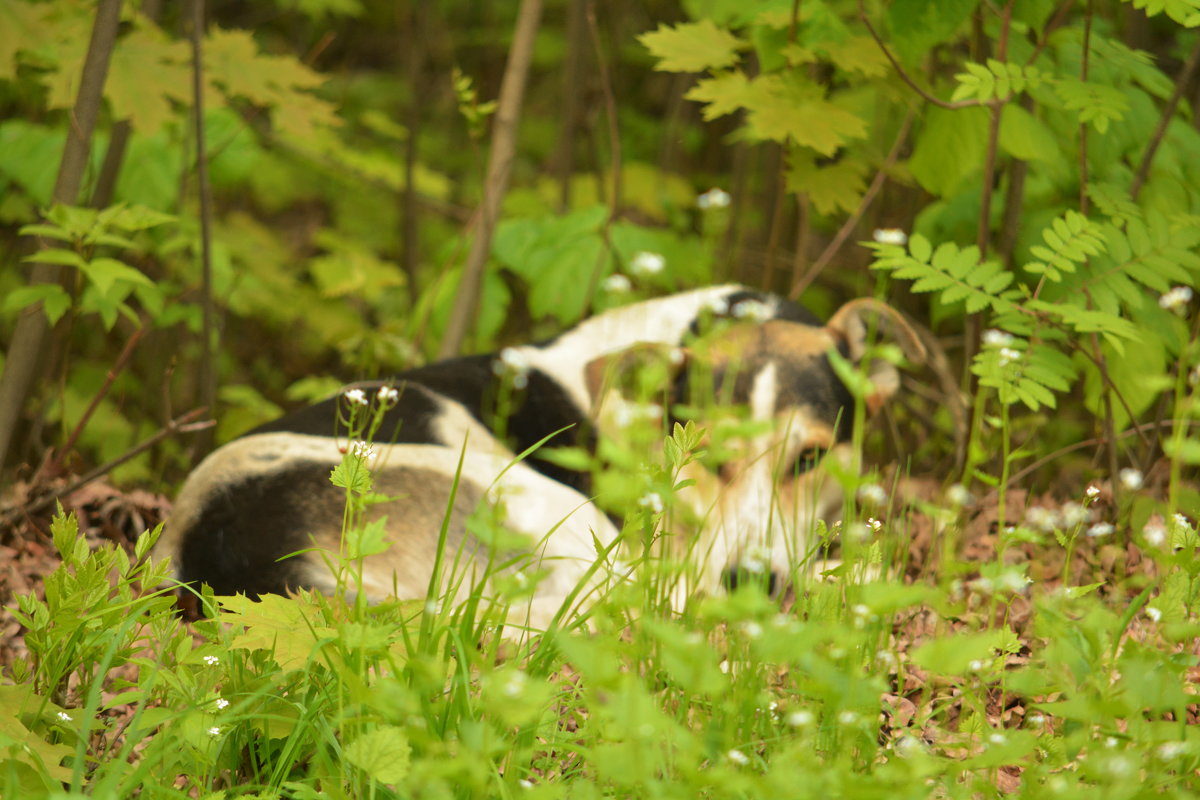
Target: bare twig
[(1160, 131), (181, 424), (207, 371), (831, 250), (904, 76), (24, 350), (500, 157)]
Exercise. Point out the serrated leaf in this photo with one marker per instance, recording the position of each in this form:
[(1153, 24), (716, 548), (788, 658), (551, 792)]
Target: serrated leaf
[(789, 108), (150, 74), (692, 46), (284, 627), (382, 753), (723, 94), (832, 188)]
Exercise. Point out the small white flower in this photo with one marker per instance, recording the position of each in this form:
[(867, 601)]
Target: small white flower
[(799, 719), (513, 362), (847, 717), (1176, 299), (652, 501), (713, 198), (872, 494), (1093, 492), (63, 716), (364, 450), (1100, 529), (645, 263), (752, 564), (356, 397), (525, 783), (890, 236), (388, 395), (1169, 751), (1131, 478), (957, 495), (1111, 742), (976, 665), (1155, 533), (995, 338), (874, 524), (1074, 514), (515, 685), (737, 757), (752, 629), (212, 661), (520, 578), (222, 704), (1153, 613), (617, 284), (861, 610), (1036, 719), (997, 738), (214, 731), (752, 310), (1119, 767), (1044, 519), (1009, 355)]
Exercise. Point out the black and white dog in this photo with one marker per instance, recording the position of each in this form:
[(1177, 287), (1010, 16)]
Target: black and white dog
[(267, 494)]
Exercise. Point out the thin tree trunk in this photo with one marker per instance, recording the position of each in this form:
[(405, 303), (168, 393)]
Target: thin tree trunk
[(24, 352), (573, 86), (504, 145)]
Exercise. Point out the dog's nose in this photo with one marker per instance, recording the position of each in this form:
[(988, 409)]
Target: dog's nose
[(738, 576)]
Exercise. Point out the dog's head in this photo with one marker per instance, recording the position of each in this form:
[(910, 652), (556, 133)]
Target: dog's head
[(777, 399)]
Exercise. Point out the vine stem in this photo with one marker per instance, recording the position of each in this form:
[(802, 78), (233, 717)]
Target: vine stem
[(1185, 77)]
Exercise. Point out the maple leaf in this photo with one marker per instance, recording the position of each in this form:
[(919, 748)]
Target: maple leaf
[(723, 94), (279, 625), (782, 108), (692, 47), (832, 187), (148, 71), (42, 31)]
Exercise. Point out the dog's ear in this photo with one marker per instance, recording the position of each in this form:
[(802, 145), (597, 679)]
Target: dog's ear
[(635, 372), (854, 322)]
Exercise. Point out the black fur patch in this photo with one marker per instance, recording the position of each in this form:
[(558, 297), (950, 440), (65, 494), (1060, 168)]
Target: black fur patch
[(538, 409)]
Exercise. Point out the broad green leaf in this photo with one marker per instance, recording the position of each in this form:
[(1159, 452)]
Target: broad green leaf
[(285, 627), (949, 149), (54, 299), (722, 94), (782, 108), (150, 73), (104, 272), (1024, 136), (835, 188), (382, 753), (692, 47), (59, 256)]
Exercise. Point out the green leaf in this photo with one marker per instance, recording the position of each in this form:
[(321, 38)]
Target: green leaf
[(722, 94), (782, 108), (148, 76), (382, 753), (104, 272), (285, 627), (692, 47), (918, 25), (56, 255), (832, 188), (955, 655), (1024, 136), (950, 148), (54, 299)]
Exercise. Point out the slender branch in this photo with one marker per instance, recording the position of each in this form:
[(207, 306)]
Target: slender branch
[(181, 424), (1160, 131), (831, 250), (500, 158), (24, 349), (904, 76), (573, 81), (208, 372)]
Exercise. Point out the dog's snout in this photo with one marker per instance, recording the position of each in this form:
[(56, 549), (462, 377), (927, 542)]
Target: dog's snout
[(738, 576)]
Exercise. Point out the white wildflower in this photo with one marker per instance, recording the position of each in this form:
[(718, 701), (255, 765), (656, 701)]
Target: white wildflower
[(1036, 719), (995, 338), (1169, 751), (515, 684), (1131, 478), (890, 236), (1176, 299), (1044, 519), (1180, 522), (800, 719), (737, 757), (976, 665), (1073, 514), (356, 397), (752, 310), (222, 704), (957, 495), (752, 629), (645, 263), (617, 284), (63, 716), (652, 501), (997, 738), (214, 731), (847, 717), (513, 362), (212, 661), (1155, 533), (755, 560), (1111, 742), (525, 783), (1119, 767), (1093, 492), (874, 524), (388, 395), (872, 494), (364, 450), (1009, 355), (1100, 529), (1153, 613), (713, 198), (861, 610)]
